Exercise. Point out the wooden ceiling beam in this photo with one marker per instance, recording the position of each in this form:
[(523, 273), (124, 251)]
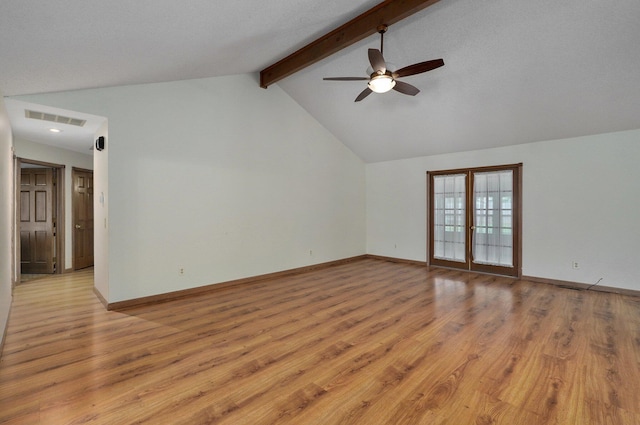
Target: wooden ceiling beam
[(386, 13)]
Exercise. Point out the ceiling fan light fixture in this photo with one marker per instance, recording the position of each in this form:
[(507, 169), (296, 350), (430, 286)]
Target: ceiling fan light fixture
[(382, 78), (381, 83)]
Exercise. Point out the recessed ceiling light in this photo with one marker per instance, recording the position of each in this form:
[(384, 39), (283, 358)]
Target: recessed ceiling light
[(55, 130)]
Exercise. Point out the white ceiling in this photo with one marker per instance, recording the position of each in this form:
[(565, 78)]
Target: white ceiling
[(70, 137), (515, 71)]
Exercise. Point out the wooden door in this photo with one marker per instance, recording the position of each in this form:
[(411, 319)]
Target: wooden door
[(82, 219), (36, 221)]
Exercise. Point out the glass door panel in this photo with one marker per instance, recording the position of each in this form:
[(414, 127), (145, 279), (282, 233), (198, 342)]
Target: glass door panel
[(492, 226), (450, 217)]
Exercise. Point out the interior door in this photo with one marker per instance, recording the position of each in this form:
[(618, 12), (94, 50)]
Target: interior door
[(36, 221), (475, 219), (82, 218)]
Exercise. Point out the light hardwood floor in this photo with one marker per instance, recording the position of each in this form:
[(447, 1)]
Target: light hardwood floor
[(369, 342)]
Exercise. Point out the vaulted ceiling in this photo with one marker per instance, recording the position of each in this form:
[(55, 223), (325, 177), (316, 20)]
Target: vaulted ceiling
[(516, 71)]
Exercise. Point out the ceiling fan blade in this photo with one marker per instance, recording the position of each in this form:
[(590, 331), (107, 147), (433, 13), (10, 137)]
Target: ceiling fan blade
[(418, 68), (377, 61), (366, 92), (345, 78), (405, 88)]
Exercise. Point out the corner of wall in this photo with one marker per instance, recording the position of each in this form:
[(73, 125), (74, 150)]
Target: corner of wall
[(6, 227), (101, 215)]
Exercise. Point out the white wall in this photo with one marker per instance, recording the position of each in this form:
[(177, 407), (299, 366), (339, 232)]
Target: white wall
[(36, 151), (6, 204), (581, 199), (222, 177)]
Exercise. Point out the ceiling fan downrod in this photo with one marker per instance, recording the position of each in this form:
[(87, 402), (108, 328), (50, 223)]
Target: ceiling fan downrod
[(381, 30)]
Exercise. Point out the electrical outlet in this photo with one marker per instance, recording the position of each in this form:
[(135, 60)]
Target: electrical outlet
[(180, 270), (575, 265), (310, 252)]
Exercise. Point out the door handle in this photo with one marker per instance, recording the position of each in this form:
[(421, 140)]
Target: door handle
[(78, 226)]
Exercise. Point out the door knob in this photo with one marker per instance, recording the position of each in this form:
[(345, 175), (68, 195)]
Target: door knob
[(78, 226)]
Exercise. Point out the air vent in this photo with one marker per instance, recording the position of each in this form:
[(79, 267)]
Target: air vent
[(54, 118)]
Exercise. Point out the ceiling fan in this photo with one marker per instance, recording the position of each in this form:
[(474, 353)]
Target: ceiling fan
[(382, 80)]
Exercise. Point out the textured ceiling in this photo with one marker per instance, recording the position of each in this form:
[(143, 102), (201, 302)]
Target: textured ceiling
[(71, 137), (72, 44), (515, 71)]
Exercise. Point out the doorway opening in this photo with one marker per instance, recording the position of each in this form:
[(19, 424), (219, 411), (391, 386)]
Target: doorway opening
[(475, 219), (32, 144), (40, 218)]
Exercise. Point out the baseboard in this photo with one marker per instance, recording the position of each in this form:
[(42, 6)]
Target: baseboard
[(555, 282), (101, 298), (396, 260), (582, 286), (170, 296), (6, 328)]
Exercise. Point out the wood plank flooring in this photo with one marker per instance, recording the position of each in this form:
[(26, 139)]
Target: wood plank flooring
[(369, 342)]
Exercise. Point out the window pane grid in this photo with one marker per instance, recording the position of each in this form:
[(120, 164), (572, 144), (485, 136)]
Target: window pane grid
[(493, 234), (449, 217)]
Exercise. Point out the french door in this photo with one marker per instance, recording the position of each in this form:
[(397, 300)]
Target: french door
[(475, 219)]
